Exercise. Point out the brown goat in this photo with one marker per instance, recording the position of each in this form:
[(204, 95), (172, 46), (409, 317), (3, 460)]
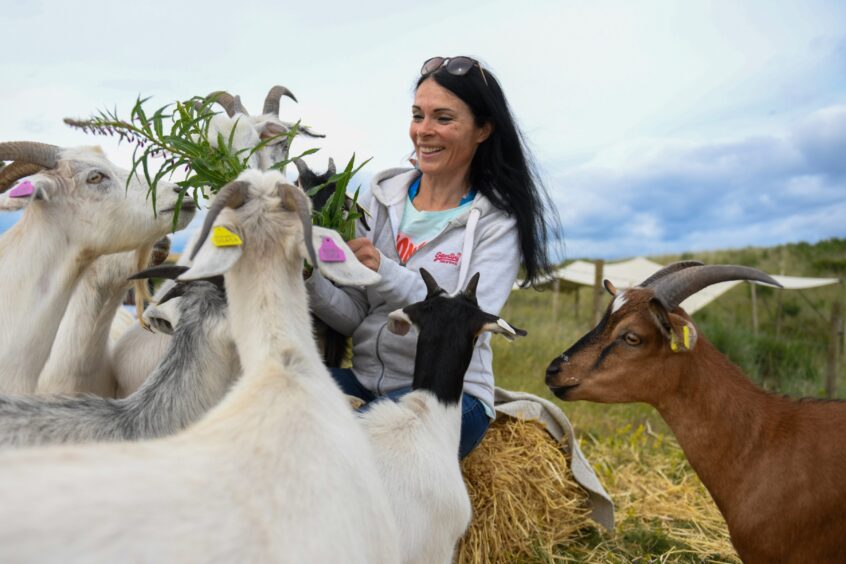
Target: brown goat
[(775, 467)]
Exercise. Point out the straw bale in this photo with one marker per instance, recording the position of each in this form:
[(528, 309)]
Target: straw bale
[(525, 500)]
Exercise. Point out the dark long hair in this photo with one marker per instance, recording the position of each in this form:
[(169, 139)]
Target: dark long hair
[(502, 168)]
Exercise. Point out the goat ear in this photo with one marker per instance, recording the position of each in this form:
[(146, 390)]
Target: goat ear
[(12, 204), (500, 326), (399, 323), (611, 288), (336, 261), (683, 335), (217, 255), (679, 332)]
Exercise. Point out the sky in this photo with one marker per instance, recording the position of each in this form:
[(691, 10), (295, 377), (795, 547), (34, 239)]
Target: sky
[(657, 126)]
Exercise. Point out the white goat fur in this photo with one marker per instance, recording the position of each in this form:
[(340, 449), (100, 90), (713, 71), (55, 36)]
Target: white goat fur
[(80, 359), (278, 472), (415, 441), (43, 255)]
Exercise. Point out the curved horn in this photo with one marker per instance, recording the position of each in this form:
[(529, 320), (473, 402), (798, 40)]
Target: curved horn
[(239, 107), (331, 168), (233, 195), (13, 172), (226, 100), (303, 209), (30, 152), (669, 269), (302, 168), (432, 287), (675, 288), (470, 290), (271, 102)]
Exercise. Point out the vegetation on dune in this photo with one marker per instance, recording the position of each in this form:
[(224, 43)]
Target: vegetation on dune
[(664, 514)]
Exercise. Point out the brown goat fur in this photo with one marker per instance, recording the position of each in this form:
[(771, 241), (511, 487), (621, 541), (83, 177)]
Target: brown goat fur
[(776, 467)]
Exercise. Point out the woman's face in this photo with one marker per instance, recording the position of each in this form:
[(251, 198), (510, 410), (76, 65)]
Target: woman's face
[(443, 131)]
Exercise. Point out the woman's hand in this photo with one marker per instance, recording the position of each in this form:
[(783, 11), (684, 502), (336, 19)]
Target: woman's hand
[(366, 253)]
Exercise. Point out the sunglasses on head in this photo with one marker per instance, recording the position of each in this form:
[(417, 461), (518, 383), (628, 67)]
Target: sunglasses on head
[(457, 66)]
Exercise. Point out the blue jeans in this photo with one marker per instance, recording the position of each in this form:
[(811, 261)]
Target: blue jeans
[(474, 420)]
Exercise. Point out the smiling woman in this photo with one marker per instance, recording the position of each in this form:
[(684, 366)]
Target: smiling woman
[(472, 203)]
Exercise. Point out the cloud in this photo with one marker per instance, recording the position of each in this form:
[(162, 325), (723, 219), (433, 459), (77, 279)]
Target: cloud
[(653, 196)]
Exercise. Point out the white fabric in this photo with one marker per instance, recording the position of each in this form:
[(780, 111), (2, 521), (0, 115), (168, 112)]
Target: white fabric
[(628, 273)]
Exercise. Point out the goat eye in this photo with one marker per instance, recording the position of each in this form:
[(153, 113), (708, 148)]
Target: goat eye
[(95, 178), (631, 339)]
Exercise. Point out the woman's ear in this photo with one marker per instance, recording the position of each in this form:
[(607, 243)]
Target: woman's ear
[(485, 132)]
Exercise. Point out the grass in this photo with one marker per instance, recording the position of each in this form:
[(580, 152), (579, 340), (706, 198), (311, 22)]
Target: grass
[(664, 514)]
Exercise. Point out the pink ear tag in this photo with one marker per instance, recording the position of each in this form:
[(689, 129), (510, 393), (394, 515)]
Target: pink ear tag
[(22, 190), (330, 252)]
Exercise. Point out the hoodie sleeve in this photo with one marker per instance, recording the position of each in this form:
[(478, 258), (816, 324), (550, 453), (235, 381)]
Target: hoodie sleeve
[(342, 308), (495, 255)]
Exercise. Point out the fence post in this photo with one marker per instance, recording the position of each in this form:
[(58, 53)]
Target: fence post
[(834, 350), (556, 286), (752, 286), (598, 290)]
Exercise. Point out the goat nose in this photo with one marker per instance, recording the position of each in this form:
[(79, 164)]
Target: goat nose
[(552, 372)]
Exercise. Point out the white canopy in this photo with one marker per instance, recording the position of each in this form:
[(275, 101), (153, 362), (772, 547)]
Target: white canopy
[(628, 273)]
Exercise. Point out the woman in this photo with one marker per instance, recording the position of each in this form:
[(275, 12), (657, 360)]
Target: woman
[(471, 204)]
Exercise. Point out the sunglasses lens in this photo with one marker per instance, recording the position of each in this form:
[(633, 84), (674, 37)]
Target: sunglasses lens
[(432, 65), (460, 65)]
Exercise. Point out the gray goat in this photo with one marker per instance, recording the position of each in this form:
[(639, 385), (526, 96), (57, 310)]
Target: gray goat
[(200, 365)]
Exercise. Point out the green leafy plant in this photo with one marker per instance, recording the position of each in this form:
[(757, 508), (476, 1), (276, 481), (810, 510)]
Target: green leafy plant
[(178, 134)]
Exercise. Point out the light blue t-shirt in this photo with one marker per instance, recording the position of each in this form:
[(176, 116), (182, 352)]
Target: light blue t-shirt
[(418, 227)]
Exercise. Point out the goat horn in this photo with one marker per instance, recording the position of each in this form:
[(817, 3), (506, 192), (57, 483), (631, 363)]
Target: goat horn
[(432, 287), (470, 290), (233, 195), (302, 168), (169, 271), (301, 204), (239, 107), (331, 168), (669, 269), (271, 102), (13, 172), (30, 152), (675, 288), (226, 100)]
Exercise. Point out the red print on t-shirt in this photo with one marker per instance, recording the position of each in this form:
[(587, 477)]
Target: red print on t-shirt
[(406, 247)]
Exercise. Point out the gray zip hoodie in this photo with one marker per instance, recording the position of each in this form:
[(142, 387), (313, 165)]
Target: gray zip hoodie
[(484, 239)]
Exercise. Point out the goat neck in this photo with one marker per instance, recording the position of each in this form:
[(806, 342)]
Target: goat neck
[(269, 303), (38, 290)]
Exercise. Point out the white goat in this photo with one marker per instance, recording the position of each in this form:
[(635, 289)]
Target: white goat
[(81, 208), (248, 131), (80, 359), (416, 439), (279, 471)]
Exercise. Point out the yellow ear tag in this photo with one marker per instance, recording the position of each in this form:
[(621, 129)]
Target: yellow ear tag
[(222, 237), (674, 346)]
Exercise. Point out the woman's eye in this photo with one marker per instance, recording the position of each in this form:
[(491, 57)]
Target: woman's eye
[(444, 119), (416, 117), (631, 339)]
